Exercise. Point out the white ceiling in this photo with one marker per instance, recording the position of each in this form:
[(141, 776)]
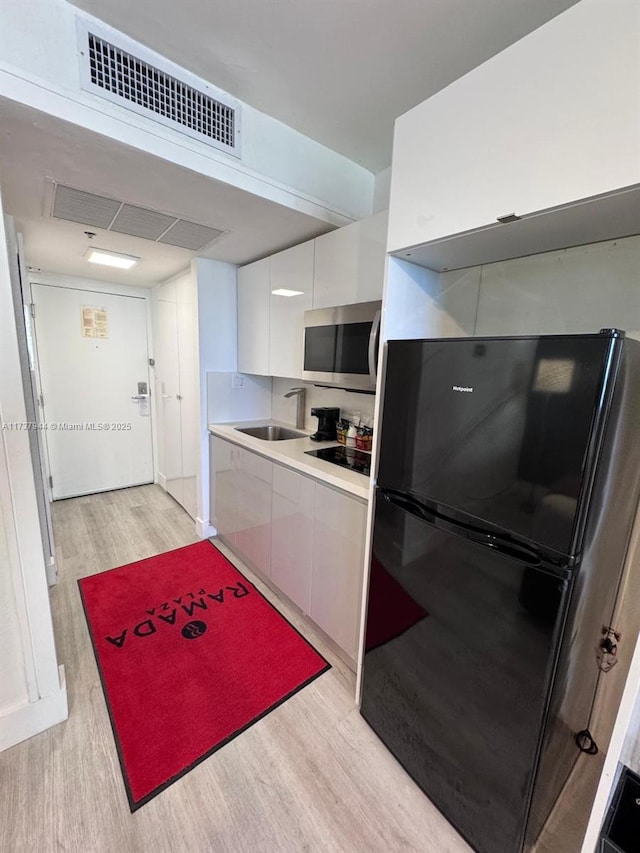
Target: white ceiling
[(35, 146), (339, 71)]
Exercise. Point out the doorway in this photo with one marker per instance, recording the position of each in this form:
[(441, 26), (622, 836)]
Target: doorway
[(93, 359)]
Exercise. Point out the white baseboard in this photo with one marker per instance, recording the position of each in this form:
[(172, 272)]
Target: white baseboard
[(162, 481), (204, 529), (34, 717)]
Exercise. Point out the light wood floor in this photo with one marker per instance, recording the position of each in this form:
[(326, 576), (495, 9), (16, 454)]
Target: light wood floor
[(311, 776)]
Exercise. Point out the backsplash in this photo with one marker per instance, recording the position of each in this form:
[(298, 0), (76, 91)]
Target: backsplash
[(237, 397), (349, 402)]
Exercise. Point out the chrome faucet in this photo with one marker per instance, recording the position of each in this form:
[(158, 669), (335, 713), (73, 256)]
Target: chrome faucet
[(300, 393)]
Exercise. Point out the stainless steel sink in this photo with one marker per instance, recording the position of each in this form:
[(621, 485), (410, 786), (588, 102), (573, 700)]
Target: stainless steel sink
[(272, 433)]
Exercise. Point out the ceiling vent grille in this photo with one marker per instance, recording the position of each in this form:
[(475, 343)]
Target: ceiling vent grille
[(130, 79), (99, 211)]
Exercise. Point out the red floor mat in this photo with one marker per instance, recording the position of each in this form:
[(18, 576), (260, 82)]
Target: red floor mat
[(190, 655)]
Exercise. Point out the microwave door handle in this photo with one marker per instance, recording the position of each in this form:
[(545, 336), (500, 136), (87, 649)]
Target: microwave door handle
[(373, 340)]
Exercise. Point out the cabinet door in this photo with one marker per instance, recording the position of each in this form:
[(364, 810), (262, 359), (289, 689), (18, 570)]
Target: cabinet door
[(520, 134), (292, 535), (291, 270), (223, 471), (335, 272), (253, 538), (253, 318), (372, 257), (338, 554)]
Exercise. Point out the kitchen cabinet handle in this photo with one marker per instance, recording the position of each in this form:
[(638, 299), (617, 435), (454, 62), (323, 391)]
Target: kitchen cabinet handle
[(373, 349)]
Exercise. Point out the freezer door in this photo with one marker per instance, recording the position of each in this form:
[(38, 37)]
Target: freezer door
[(460, 649), (497, 428)]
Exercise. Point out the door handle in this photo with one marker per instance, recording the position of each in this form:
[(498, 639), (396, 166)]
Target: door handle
[(167, 396), (138, 397)]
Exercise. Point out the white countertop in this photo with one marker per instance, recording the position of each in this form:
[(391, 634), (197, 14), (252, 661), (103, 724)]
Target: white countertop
[(292, 453)]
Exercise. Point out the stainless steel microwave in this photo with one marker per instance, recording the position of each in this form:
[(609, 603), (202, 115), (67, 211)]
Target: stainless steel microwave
[(341, 345)]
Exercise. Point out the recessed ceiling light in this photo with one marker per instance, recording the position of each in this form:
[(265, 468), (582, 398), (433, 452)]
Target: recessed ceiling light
[(282, 291), (110, 259)]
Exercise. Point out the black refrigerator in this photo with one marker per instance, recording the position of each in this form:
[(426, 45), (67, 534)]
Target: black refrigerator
[(507, 485)]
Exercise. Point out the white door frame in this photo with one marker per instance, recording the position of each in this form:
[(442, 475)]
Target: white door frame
[(28, 359), (46, 692)]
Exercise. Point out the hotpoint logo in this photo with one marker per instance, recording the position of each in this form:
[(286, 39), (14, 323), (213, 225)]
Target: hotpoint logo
[(466, 389)]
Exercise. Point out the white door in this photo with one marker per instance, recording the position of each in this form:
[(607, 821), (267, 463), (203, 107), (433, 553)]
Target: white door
[(94, 374), (187, 326), (167, 387), (175, 341)]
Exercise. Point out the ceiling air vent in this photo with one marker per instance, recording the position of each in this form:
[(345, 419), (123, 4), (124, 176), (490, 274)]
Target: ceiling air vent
[(132, 76), (103, 212)]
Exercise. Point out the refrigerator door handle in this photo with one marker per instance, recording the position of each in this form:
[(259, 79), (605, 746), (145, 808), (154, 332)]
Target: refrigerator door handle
[(488, 540), (509, 549), (410, 505)]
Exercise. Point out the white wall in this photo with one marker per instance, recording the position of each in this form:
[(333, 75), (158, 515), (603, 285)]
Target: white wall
[(420, 303), (631, 749), (217, 351), (382, 190), (32, 690), (237, 397), (582, 289), (39, 67), (13, 673)]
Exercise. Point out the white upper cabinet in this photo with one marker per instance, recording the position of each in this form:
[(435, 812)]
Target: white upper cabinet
[(253, 318), (548, 122), (349, 263), (344, 266), (335, 276), (291, 270), (372, 255)]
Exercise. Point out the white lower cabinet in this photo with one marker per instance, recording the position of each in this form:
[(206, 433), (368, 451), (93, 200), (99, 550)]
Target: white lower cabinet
[(292, 535), (223, 487), (307, 538), (253, 501), (337, 566), (241, 500)]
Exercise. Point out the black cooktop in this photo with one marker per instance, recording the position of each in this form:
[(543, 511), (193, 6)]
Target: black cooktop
[(346, 457)]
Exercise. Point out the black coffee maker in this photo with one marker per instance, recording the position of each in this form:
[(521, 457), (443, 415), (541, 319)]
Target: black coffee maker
[(327, 419)]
